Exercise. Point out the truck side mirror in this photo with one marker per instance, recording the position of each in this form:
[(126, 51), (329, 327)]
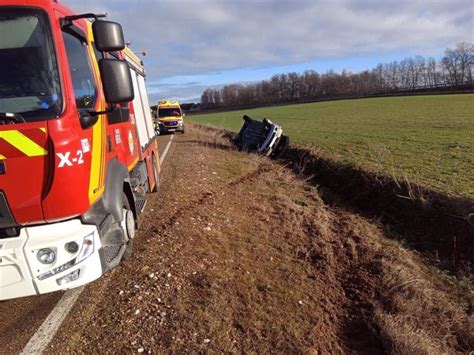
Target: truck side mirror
[(108, 36), (116, 80)]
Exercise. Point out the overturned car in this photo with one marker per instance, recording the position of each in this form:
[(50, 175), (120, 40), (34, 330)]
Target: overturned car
[(262, 137)]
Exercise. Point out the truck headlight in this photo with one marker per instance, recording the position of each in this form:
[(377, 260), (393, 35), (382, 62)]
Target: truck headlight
[(87, 249), (46, 256)]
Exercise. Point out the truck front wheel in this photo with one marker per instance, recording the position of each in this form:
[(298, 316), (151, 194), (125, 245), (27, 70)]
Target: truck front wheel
[(128, 225)]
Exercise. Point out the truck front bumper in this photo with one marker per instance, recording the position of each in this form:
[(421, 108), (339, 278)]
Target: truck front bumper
[(77, 259)]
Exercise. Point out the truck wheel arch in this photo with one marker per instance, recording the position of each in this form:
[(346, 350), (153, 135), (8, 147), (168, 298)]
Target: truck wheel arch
[(117, 182)]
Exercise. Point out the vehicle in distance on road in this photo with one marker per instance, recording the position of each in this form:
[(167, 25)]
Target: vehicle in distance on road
[(170, 116), (78, 151), (262, 137)]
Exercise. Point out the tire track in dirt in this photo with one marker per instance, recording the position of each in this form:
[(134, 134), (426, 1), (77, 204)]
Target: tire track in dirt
[(206, 197)]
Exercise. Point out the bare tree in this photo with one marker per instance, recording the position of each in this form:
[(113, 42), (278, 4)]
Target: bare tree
[(455, 68), (465, 55)]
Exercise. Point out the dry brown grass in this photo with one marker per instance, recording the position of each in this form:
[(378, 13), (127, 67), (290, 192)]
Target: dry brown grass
[(247, 258), (411, 310), (422, 314)]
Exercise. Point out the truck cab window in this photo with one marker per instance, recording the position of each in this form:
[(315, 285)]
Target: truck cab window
[(29, 75), (85, 90)]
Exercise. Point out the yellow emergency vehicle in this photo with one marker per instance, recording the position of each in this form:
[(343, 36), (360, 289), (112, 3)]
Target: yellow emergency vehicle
[(170, 117)]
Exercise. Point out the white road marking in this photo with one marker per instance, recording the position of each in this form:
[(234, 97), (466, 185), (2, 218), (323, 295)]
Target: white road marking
[(163, 156), (51, 324)]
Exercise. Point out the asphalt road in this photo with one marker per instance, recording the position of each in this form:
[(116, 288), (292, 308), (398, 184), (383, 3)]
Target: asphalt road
[(20, 318)]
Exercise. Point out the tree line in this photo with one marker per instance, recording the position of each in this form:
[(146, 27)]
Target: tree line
[(455, 68)]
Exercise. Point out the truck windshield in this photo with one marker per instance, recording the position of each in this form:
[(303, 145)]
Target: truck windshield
[(29, 79), (169, 112)]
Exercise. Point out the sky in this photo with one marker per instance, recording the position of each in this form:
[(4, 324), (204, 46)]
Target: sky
[(193, 45)]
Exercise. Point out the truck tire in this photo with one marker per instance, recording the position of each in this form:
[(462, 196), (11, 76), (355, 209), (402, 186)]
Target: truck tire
[(129, 226), (156, 175)]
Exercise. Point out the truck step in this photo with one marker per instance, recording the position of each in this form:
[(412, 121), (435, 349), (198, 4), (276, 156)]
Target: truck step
[(140, 203), (112, 252)]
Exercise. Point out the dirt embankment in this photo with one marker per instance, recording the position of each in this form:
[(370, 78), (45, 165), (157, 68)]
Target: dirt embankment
[(438, 225), (239, 254)]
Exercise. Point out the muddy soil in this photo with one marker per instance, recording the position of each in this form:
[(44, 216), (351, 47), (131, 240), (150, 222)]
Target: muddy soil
[(238, 254)]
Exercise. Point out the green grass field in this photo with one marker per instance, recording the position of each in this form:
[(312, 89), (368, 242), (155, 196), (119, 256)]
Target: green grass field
[(427, 139)]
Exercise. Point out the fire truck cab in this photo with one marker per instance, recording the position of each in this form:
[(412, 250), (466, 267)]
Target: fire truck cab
[(78, 152)]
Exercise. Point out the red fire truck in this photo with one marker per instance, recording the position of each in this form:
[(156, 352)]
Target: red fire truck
[(78, 152)]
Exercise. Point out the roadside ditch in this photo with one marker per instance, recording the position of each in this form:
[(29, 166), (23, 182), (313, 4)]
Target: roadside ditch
[(439, 226)]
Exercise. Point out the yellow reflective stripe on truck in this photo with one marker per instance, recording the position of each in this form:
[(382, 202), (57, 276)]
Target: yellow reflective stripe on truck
[(99, 143), (23, 143), (96, 157)]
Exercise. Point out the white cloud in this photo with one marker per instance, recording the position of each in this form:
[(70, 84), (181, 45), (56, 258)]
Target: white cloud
[(193, 37)]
